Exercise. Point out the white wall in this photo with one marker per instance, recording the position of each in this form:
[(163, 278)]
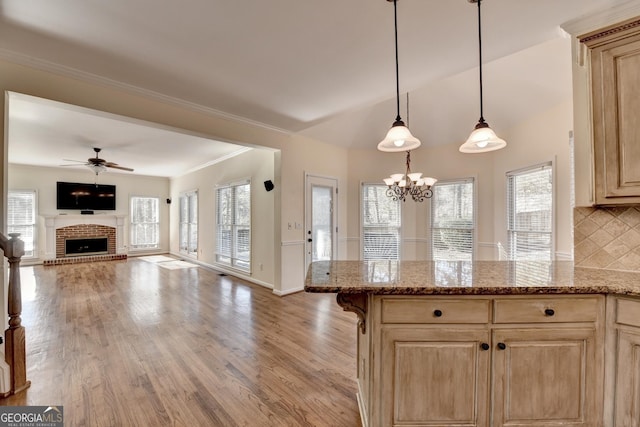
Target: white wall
[(542, 138), (256, 165), (524, 148), (43, 180)]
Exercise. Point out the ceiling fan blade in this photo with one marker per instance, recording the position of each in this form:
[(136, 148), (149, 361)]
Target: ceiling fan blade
[(79, 164), (116, 166), (72, 160)]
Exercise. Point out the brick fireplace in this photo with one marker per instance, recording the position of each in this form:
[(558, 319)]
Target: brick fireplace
[(84, 231), (79, 238)]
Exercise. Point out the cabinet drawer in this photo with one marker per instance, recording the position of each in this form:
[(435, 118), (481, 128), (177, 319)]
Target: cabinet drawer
[(628, 312), (435, 311), (545, 310)]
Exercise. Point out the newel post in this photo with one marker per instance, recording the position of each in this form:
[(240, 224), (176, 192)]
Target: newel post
[(15, 339)]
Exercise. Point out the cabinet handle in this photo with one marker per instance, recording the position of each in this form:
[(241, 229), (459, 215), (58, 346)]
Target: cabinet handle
[(437, 313), (502, 345), (484, 346), (549, 312)]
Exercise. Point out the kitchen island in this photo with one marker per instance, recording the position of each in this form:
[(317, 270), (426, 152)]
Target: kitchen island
[(490, 343)]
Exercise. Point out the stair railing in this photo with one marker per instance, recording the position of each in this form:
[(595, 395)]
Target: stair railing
[(15, 337)]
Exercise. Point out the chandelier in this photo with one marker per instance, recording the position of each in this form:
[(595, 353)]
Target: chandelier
[(409, 184)]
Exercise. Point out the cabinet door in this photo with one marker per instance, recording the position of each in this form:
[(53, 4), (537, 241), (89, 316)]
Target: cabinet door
[(627, 400), (616, 102), (434, 377), (544, 377)]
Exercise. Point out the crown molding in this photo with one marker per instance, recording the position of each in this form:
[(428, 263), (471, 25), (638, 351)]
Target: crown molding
[(63, 70), (602, 18)]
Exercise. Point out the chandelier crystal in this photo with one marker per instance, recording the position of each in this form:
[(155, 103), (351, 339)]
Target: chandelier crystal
[(409, 184)]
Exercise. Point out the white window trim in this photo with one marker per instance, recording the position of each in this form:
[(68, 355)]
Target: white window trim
[(231, 266), (180, 196), (473, 180), (35, 221), (159, 222), (542, 165), (361, 219)]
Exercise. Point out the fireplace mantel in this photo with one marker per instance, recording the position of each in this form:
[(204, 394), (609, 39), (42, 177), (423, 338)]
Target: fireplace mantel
[(53, 222)]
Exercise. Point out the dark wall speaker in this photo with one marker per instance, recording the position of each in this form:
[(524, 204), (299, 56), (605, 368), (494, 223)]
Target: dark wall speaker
[(268, 185)]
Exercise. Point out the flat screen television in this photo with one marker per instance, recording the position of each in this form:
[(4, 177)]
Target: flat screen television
[(79, 196)]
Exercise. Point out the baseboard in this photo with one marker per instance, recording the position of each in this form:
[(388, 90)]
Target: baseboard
[(288, 291)]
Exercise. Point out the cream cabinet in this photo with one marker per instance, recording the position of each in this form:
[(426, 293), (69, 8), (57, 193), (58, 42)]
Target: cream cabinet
[(625, 369), (483, 361), (614, 54)]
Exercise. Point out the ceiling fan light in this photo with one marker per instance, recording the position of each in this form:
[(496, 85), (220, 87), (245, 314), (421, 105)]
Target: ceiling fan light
[(483, 139), (399, 138), (96, 168)]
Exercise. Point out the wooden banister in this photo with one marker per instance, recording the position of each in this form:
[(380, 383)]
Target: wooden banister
[(15, 348)]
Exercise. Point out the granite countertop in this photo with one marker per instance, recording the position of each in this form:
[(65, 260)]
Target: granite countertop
[(466, 278)]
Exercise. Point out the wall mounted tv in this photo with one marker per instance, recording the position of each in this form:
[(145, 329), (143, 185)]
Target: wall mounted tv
[(90, 197)]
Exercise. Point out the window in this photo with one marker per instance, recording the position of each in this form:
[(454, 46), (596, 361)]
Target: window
[(189, 223), (145, 223), (21, 218), (381, 219), (233, 225), (453, 220), (530, 213)]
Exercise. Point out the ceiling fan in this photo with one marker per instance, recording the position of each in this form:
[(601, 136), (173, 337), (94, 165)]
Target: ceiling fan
[(98, 165)]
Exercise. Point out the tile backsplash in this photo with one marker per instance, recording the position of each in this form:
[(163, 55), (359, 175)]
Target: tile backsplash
[(607, 237)]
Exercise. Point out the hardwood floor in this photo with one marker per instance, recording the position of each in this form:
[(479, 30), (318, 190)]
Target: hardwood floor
[(128, 343)]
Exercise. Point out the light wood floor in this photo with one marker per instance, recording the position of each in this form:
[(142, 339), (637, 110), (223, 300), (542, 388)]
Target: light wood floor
[(128, 343)]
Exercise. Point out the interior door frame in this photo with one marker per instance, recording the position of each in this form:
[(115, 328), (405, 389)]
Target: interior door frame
[(309, 180)]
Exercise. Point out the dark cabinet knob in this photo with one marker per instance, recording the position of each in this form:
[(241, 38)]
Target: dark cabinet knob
[(484, 346), (549, 312), (309, 240), (437, 313), (502, 345)]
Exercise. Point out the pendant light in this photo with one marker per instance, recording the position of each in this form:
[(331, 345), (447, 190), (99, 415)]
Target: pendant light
[(483, 138), (399, 137)]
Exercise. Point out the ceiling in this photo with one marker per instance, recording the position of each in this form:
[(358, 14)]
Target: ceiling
[(324, 69)]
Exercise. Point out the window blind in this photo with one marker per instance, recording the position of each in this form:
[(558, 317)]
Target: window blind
[(453, 220), (530, 213), (381, 220), (21, 218), (233, 225), (189, 222), (145, 223)]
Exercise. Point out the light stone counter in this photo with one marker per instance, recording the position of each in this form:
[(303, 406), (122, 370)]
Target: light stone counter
[(466, 278)]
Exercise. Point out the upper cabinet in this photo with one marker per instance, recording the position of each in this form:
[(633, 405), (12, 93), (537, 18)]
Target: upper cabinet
[(613, 62)]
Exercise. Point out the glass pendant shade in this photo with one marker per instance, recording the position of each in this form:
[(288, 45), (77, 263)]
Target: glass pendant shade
[(482, 140), (398, 138)]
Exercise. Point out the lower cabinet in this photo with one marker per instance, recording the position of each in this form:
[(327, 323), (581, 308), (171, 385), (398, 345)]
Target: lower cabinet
[(545, 377), (434, 377), (500, 361), (626, 367)]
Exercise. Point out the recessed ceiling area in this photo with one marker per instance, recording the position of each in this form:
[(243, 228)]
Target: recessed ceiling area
[(49, 133)]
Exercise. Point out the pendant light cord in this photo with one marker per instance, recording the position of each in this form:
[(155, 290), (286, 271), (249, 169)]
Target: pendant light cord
[(480, 60), (395, 19)]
